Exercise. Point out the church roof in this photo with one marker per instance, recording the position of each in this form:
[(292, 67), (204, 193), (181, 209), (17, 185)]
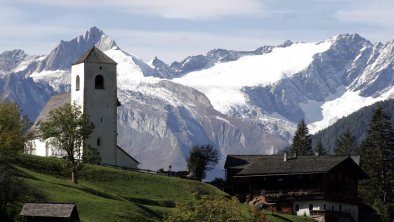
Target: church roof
[(123, 151), (94, 55), (53, 103)]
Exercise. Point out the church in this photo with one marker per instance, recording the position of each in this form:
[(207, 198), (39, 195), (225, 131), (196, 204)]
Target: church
[(94, 89)]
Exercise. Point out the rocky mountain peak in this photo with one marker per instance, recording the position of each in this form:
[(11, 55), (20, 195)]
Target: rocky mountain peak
[(348, 39), (10, 59), (287, 43), (67, 52)]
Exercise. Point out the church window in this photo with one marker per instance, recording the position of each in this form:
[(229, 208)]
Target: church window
[(98, 141), (77, 83), (99, 82)]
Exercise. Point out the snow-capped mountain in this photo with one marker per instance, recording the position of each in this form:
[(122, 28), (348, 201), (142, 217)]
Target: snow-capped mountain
[(242, 102)]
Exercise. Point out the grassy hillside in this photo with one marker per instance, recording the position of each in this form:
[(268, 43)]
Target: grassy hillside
[(107, 194)]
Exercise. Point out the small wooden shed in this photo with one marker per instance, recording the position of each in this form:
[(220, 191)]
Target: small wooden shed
[(46, 212)]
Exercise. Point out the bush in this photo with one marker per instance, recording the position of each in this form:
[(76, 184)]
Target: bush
[(210, 208), (91, 155)]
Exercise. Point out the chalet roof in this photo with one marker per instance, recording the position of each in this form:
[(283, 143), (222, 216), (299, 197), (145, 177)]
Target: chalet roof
[(53, 103), (61, 210), (275, 165), (94, 55)]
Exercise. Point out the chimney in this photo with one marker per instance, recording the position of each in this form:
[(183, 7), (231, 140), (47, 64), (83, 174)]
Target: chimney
[(284, 156)]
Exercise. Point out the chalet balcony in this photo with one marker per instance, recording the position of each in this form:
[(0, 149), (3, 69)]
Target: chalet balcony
[(272, 196), (305, 194)]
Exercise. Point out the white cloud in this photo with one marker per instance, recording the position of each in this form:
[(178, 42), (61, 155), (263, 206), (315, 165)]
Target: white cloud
[(376, 13), (179, 9)]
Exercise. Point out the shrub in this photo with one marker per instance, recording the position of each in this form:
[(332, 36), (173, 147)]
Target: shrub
[(210, 208)]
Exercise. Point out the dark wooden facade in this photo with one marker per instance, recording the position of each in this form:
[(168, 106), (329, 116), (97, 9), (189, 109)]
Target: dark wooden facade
[(282, 180)]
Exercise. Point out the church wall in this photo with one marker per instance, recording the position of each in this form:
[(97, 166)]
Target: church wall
[(100, 105), (77, 96), (43, 148)]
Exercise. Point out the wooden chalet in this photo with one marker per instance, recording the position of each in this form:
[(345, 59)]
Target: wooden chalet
[(324, 186), (46, 212)]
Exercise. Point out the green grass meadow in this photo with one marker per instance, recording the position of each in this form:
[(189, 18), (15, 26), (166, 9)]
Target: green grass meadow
[(108, 194)]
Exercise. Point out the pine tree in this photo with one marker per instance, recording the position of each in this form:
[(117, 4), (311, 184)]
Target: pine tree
[(377, 160), (346, 144), (320, 148), (302, 142)]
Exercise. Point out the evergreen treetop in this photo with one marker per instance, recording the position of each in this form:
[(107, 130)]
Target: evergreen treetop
[(377, 160), (320, 149), (346, 144), (302, 142)]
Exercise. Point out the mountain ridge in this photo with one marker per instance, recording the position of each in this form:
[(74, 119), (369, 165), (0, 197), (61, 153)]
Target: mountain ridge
[(162, 117)]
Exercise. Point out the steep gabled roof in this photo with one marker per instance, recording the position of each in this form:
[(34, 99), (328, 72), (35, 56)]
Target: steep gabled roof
[(53, 103), (61, 210), (122, 150), (94, 55), (275, 165), (239, 161)]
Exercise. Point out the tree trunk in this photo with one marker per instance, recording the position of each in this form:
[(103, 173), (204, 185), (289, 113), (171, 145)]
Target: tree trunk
[(74, 176)]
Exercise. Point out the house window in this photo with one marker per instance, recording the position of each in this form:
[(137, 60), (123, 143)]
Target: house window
[(324, 206), (98, 141), (77, 83), (332, 207), (310, 207), (297, 207), (340, 207), (99, 82)]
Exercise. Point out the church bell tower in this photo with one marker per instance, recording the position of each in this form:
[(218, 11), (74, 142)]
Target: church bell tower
[(94, 89)]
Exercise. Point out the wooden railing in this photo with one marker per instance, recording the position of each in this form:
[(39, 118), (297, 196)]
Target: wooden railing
[(291, 193)]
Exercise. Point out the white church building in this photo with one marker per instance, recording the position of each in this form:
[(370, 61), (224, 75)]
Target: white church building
[(94, 89)]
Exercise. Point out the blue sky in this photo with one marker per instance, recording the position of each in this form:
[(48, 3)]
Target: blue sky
[(174, 29)]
